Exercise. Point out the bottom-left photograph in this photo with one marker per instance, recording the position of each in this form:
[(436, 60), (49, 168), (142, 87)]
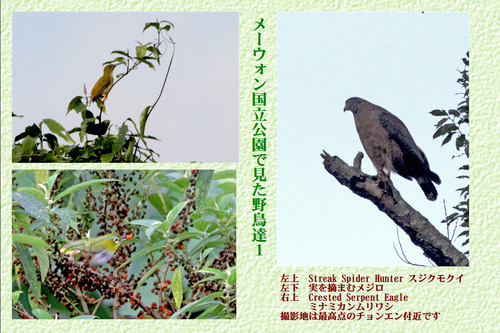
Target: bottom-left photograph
[(124, 244)]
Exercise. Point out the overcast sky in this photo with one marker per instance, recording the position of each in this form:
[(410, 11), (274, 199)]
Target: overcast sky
[(55, 54), (404, 62)]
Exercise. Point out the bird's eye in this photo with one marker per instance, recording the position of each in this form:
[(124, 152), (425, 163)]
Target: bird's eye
[(116, 240)]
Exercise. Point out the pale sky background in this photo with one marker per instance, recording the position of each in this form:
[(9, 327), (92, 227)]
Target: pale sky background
[(404, 62), (196, 119)]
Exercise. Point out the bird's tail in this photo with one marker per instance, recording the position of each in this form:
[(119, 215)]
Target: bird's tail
[(434, 177), (428, 187)]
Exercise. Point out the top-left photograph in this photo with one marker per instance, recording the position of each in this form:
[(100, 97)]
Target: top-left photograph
[(115, 87)]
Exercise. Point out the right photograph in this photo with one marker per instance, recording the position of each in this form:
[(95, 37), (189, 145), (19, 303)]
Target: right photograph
[(373, 139)]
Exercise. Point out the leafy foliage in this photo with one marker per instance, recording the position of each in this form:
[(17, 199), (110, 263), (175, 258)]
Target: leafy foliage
[(454, 123), (37, 144), (178, 261)]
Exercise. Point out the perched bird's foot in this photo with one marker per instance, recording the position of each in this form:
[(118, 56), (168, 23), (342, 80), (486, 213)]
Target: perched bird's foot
[(385, 182), (383, 176), (104, 98)]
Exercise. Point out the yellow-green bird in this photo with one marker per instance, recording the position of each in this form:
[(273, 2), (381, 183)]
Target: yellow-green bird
[(101, 248), (103, 85)]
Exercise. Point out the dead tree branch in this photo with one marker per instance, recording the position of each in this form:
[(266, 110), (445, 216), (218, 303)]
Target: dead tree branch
[(388, 200)]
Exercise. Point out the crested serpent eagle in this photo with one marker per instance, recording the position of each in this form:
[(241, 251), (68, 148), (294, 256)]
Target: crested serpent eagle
[(390, 146)]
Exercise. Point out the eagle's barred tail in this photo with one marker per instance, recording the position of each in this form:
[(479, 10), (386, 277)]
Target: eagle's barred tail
[(428, 187), (434, 177)]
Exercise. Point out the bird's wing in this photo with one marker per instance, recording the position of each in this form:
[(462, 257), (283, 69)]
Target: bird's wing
[(413, 161), (99, 87)]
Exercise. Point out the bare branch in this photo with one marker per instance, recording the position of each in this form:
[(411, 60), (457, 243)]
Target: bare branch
[(388, 200)]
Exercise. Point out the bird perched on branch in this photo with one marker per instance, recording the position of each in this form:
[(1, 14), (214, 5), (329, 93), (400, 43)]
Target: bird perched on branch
[(103, 85), (390, 146), (100, 249)]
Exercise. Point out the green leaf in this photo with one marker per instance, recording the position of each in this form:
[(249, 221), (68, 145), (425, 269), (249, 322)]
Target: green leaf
[(182, 182), (203, 181), (213, 312), (36, 191), (58, 129), (447, 139), (143, 120), (41, 176), (224, 174), (15, 296), (217, 275), (51, 180), (75, 104), (160, 202), (122, 53), (438, 113), (147, 63), (33, 130), (232, 277), (29, 268), (168, 25), (122, 61), (156, 52), (151, 24), (17, 154), (21, 219), (140, 51), (107, 158), (220, 275), (79, 186), (27, 239), (449, 128), (441, 122), (69, 216), (145, 222), (43, 261), (460, 141), (151, 225), (41, 314), (198, 304), (171, 186), (129, 153), (438, 133), (210, 241), (32, 205), (120, 141), (221, 214), (224, 201), (28, 145), (177, 288), (205, 226), (186, 234), (174, 212), (228, 187)]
